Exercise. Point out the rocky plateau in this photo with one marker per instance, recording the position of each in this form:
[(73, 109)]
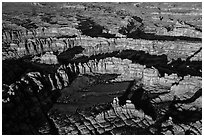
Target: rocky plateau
[(112, 68)]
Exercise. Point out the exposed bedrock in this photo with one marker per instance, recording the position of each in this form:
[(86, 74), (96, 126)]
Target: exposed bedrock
[(117, 61), (109, 121), (97, 63), (93, 46), (156, 25), (30, 97), (102, 68), (179, 94), (145, 111)]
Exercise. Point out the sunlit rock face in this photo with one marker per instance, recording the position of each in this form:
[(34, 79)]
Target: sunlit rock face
[(94, 46), (47, 58), (102, 68), (108, 121)]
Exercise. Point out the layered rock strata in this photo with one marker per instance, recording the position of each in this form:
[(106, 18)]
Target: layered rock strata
[(30, 98), (106, 122), (71, 70), (94, 46)]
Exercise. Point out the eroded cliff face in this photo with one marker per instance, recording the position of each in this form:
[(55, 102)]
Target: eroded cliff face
[(68, 71)]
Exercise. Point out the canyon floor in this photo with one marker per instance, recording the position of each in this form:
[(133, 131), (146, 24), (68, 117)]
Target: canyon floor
[(111, 68)]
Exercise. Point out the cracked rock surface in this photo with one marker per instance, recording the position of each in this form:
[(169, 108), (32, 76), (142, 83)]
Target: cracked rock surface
[(102, 68)]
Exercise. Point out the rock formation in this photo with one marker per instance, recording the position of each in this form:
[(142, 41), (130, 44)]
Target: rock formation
[(102, 68)]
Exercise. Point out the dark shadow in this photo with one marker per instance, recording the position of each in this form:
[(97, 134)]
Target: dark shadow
[(184, 116), (141, 102), (150, 36), (92, 29), (66, 36), (66, 56), (139, 98)]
